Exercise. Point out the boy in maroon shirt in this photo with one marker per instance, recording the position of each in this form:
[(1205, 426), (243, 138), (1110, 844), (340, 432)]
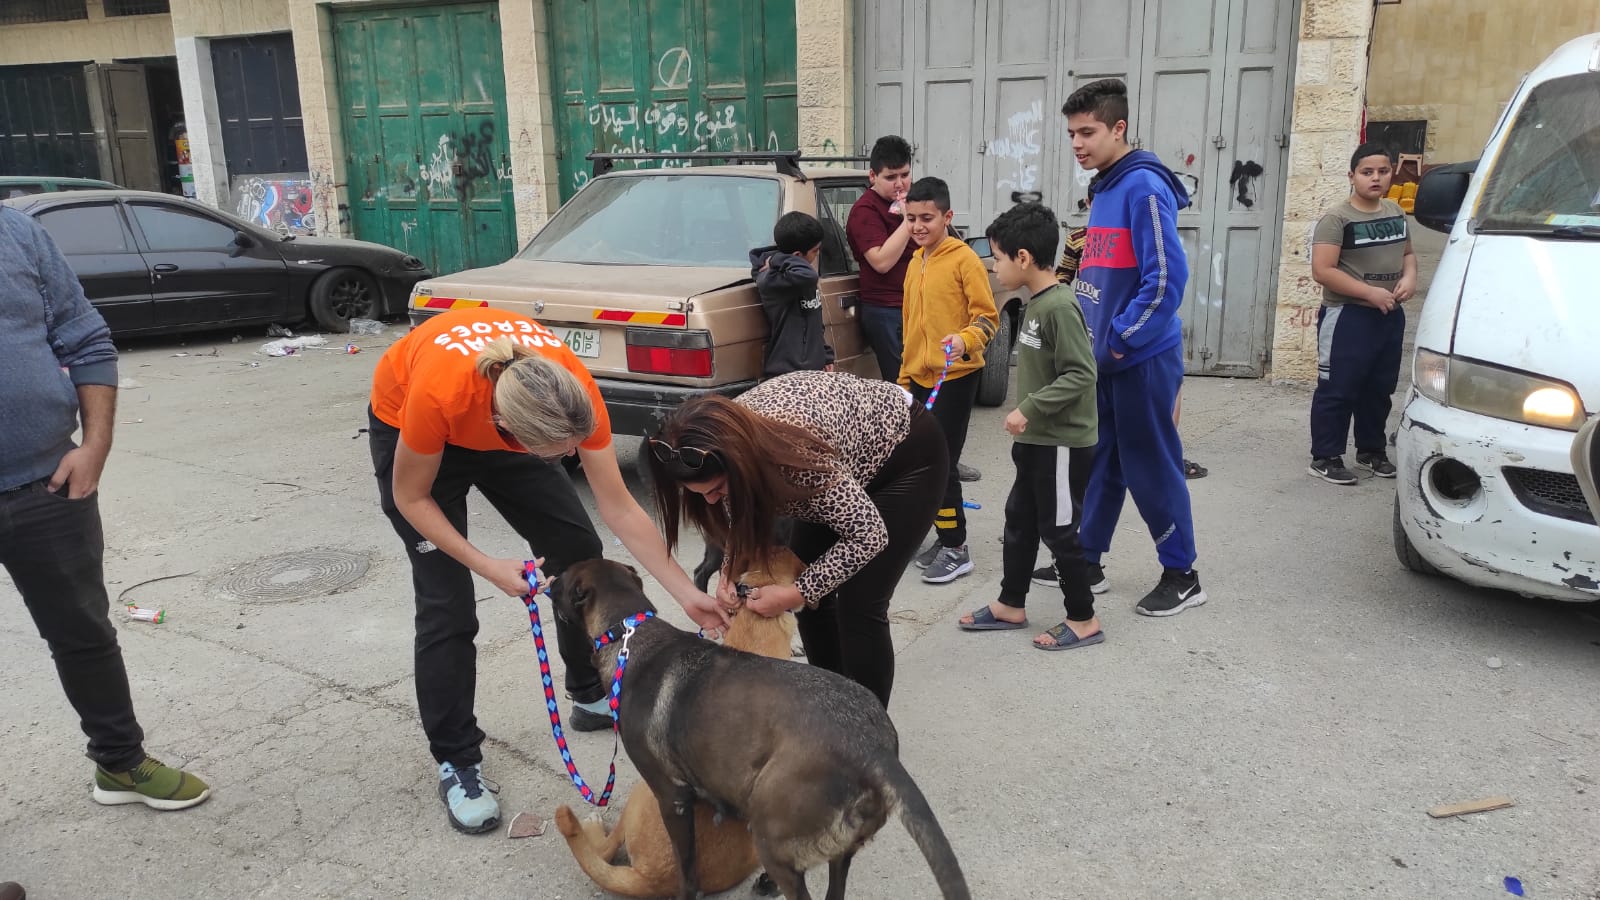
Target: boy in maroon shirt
[(880, 239)]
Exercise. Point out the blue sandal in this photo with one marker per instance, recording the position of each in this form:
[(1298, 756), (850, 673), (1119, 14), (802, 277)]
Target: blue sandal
[(983, 620), (1060, 634)]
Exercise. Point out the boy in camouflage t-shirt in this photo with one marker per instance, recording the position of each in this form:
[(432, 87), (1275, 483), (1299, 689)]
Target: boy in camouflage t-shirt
[(1361, 255)]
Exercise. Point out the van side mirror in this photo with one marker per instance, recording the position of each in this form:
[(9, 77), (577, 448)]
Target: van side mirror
[(980, 246), (1440, 194)]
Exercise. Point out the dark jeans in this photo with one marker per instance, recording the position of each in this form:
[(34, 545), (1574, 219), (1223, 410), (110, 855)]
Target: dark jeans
[(539, 502), (53, 549), (953, 411), (848, 632), (884, 327), (1047, 502), (1358, 367)]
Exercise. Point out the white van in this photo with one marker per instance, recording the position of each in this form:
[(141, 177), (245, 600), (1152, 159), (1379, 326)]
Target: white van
[(1508, 349)]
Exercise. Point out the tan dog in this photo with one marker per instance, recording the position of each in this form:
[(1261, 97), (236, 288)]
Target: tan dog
[(725, 853)]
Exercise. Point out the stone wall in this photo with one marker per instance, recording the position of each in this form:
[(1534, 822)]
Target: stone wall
[(95, 39), (1330, 74), (826, 87), (1455, 63)]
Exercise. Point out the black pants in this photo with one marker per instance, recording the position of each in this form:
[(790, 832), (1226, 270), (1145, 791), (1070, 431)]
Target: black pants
[(54, 550), (1046, 503), (1358, 368), (538, 500), (953, 411), (848, 632)]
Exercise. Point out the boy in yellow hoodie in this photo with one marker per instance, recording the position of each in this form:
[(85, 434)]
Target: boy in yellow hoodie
[(948, 308)]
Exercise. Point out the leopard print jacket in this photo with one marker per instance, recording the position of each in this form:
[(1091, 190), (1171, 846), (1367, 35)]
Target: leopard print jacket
[(863, 420)]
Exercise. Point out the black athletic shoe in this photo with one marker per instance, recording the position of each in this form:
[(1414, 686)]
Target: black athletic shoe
[(1332, 470), (583, 720), (1174, 593), (1098, 582), (1046, 575), (1376, 463)]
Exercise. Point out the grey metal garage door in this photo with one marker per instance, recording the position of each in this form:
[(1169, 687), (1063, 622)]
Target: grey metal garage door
[(977, 87)]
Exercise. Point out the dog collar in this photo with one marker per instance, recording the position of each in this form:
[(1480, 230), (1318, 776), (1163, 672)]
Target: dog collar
[(616, 632)]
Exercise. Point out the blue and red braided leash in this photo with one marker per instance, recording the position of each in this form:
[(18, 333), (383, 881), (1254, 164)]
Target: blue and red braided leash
[(536, 586), (949, 357)]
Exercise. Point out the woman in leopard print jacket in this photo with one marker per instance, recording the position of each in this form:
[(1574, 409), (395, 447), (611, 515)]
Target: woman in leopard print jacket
[(859, 469)]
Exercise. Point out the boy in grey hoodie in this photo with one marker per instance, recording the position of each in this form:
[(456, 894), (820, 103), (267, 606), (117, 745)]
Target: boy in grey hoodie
[(786, 278)]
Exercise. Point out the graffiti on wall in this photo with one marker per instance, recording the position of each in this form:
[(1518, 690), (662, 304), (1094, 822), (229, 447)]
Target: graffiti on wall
[(280, 201), (666, 126), (1020, 147), (458, 161)]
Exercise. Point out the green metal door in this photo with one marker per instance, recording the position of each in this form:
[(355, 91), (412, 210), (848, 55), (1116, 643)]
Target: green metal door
[(427, 156), (671, 75)]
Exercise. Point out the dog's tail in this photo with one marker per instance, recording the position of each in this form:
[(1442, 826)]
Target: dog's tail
[(593, 849), (917, 817)]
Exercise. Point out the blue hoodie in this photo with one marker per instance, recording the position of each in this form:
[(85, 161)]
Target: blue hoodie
[(1133, 273)]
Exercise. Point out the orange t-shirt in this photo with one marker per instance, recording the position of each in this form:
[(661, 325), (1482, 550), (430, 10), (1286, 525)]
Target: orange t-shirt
[(427, 384)]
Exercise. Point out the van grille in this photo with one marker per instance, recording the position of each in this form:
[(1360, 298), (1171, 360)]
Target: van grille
[(1549, 493)]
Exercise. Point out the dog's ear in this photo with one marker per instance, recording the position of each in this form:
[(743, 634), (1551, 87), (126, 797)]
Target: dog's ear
[(639, 582)]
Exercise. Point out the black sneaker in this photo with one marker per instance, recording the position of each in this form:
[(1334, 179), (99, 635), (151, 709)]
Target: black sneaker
[(1098, 583), (1332, 470), (1174, 593), (1376, 463), (583, 720), (1046, 575)]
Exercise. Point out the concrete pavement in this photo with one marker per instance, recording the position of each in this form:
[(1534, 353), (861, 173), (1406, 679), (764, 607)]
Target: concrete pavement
[(1284, 740)]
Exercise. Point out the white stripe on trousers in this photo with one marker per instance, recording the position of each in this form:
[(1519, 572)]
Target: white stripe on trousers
[(1063, 486), (1325, 342)]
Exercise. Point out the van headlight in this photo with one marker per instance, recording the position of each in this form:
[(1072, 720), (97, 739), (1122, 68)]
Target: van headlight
[(1493, 391)]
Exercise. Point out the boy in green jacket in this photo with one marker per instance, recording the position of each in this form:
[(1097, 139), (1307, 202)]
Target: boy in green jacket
[(1055, 427)]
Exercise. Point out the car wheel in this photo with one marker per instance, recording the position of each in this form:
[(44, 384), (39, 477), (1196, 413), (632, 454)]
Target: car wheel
[(341, 295), (1406, 551), (996, 375)]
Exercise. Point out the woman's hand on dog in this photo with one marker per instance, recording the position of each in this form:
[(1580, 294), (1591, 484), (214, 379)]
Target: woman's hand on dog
[(774, 600), (707, 612)]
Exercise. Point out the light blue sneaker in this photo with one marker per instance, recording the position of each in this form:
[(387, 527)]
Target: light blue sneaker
[(469, 797)]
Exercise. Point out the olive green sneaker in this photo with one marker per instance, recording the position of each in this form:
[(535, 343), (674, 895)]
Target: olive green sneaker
[(155, 785)]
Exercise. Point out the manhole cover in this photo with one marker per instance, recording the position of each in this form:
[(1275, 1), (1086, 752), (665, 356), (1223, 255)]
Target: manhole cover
[(294, 576)]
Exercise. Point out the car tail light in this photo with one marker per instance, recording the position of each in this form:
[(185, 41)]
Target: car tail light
[(655, 351)]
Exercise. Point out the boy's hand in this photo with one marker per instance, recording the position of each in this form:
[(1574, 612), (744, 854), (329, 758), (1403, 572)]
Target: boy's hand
[(1016, 422), (955, 345), (1406, 289), (1381, 300)]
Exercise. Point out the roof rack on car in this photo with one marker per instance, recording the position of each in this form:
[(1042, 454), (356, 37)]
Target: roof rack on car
[(787, 161)]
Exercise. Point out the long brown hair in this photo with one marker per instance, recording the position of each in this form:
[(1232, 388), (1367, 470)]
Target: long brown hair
[(759, 455)]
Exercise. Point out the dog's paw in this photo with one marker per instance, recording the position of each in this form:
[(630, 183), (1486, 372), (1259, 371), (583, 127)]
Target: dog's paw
[(797, 647), (764, 886)]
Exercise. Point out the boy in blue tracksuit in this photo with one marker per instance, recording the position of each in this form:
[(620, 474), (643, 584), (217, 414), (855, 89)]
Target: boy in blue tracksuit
[(1130, 282)]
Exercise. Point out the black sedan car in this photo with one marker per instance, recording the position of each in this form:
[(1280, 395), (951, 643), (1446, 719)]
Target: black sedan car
[(153, 263)]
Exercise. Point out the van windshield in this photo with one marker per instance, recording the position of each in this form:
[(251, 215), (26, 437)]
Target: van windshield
[(662, 220), (1547, 177)]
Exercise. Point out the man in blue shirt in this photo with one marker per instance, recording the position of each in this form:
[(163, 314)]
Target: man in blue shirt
[(1130, 282), (58, 365)]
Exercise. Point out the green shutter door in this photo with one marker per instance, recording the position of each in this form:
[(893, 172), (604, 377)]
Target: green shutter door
[(671, 75), (427, 156)]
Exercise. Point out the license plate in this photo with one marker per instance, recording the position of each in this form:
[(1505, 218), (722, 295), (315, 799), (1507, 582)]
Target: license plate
[(581, 341)]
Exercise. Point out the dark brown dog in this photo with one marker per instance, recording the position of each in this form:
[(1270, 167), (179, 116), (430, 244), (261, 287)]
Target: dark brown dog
[(807, 757)]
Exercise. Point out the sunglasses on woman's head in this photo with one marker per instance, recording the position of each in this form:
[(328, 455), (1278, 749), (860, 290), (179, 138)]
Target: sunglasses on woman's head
[(688, 457)]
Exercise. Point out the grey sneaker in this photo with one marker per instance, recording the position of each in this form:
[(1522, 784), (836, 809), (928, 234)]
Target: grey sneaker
[(1376, 463), (926, 557), (965, 472), (1331, 470), (469, 798), (951, 563)]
